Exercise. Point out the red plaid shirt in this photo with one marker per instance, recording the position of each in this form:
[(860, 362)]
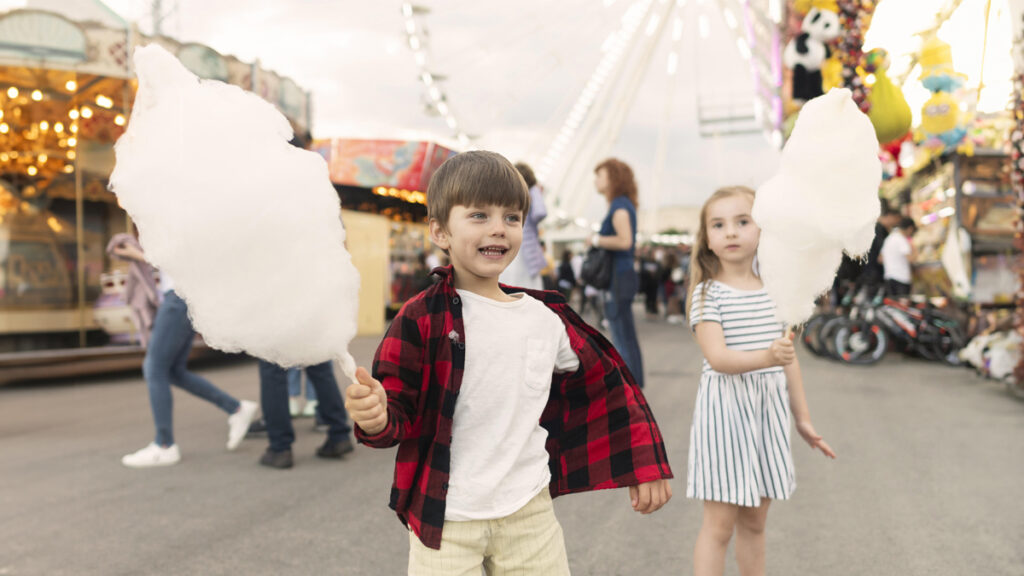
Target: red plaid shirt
[(601, 433)]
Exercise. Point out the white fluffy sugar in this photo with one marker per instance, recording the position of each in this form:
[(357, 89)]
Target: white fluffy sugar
[(247, 225), (822, 202)]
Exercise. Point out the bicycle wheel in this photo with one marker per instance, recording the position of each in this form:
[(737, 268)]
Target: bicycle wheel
[(860, 342), (827, 335), (811, 336)]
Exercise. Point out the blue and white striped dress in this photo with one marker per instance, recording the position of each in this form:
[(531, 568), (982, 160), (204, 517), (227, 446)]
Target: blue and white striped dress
[(739, 440)]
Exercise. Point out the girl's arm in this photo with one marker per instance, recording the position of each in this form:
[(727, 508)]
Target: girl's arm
[(623, 239), (728, 361), (801, 414)]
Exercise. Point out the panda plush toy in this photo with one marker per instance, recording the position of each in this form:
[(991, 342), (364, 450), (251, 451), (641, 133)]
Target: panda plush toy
[(805, 53)]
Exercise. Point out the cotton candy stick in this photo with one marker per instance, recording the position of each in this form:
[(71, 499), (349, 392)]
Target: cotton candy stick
[(821, 203), (247, 225)]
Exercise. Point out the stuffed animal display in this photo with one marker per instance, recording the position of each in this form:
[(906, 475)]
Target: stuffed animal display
[(941, 125), (806, 53)]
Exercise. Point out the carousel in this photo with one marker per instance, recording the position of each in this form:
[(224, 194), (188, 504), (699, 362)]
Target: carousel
[(66, 93)]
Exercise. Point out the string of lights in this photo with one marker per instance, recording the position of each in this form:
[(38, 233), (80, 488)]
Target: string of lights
[(418, 40)]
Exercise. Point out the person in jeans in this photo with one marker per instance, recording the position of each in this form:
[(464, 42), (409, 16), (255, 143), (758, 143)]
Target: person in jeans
[(614, 180), (331, 409), (295, 408), (166, 363)]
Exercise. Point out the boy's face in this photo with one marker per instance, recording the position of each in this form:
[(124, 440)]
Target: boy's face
[(481, 241)]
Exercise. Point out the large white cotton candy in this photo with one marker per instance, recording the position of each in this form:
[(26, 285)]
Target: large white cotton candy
[(247, 225), (822, 202)]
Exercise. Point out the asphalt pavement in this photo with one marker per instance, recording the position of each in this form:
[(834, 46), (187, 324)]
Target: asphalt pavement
[(931, 460)]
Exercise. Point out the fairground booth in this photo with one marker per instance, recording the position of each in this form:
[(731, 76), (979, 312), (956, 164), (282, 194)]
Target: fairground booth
[(941, 83), (382, 185), (66, 92)]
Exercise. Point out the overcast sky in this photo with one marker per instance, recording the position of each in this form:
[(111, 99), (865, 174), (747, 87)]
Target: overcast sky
[(513, 71)]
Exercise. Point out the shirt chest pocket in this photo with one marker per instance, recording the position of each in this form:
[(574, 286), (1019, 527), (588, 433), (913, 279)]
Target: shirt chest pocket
[(538, 365)]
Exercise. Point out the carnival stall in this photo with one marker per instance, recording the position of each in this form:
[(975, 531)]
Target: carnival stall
[(952, 161), (66, 93), (384, 183)]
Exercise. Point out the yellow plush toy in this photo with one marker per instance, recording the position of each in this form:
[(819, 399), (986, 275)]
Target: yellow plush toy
[(941, 125), (890, 114)]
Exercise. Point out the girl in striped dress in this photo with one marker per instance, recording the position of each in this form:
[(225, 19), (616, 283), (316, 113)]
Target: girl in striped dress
[(750, 389)]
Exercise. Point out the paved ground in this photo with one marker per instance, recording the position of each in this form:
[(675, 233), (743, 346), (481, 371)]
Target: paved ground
[(931, 464)]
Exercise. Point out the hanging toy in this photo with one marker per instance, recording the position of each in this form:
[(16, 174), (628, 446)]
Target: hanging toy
[(890, 114), (807, 51), (942, 128)]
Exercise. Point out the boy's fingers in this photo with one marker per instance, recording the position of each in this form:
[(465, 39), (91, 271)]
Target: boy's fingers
[(364, 378), (643, 497)]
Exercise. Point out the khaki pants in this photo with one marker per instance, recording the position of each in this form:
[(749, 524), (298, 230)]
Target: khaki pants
[(528, 542)]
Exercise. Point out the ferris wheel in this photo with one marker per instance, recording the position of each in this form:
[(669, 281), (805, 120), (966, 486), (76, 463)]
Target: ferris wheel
[(582, 65)]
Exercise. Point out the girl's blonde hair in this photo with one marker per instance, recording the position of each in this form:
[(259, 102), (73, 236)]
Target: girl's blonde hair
[(703, 262)]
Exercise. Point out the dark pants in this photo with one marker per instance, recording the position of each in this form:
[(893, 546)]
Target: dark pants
[(619, 312), (896, 289), (274, 397)]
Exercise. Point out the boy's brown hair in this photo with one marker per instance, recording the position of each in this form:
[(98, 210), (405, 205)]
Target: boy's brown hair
[(475, 178)]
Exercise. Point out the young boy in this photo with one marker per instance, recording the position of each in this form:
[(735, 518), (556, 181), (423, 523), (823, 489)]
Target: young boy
[(498, 397)]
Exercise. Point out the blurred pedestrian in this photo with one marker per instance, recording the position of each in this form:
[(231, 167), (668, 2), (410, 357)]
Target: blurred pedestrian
[(296, 406), (897, 254), (614, 180), (566, 276), (166, 363), (525, 269), (281, 434)]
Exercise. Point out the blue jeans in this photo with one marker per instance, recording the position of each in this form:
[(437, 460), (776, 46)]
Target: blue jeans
[(295, 384), (274, 397), (165, 364), (619, 313)]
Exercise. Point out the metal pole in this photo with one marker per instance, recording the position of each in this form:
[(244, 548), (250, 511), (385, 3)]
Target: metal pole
[(80, 248)]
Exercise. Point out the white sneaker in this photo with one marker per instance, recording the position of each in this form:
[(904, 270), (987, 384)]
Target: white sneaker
[(153, 455), (293, 406), (309, 410), (238, 423)]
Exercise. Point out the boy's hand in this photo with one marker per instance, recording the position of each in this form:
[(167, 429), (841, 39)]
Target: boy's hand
[(367, 403), (649, 496), (782, 352)]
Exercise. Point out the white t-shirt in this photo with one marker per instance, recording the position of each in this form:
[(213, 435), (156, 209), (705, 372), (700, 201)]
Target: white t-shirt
[(896, 257), (498, 459)]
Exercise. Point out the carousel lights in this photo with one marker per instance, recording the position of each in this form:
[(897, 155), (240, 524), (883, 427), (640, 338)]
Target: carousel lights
[(54, 224), (71, 85), (73, 128), (72, 141), (42, 158), (44, 125), (12, 92), (86, 112), (411, 196), (71, 155), (69, 169), (73, 114), (58, 127), (4, 157), (32, 170), (119, 120), (104, 102), (4, 128), (37, 95)]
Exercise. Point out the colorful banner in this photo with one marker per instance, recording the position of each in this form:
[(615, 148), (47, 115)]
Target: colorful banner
[(371, 163)]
